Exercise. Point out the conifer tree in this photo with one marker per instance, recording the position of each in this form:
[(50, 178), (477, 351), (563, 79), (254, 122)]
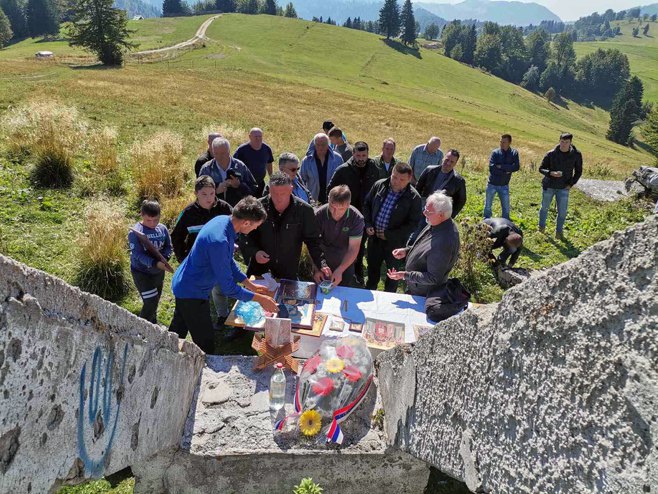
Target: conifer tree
[(225, 6), (102, 29), (269, 7), (42, 18), (389, 19), (290, 11), (15, 12), (172, 8), (650, 130), (408, 24), (624, 113), (5, 29)]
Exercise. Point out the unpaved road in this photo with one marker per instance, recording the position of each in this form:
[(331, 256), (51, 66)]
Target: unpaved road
[(199, 36)]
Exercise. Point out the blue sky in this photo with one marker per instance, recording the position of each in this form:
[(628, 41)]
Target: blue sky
[(570, 10)]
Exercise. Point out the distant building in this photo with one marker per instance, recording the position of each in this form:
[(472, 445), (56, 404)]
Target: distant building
[(138, 18)]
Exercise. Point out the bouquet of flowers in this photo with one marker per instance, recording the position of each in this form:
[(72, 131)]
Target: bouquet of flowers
[(332, 384)]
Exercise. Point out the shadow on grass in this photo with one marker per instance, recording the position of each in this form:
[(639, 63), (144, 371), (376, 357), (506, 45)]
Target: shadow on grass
[(402, 48), (566, 247), (533, 256), (643, 146), (94, 66), (561, 102)]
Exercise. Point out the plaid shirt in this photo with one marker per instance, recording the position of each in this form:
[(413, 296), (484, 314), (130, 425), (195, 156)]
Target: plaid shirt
[(384, 214)]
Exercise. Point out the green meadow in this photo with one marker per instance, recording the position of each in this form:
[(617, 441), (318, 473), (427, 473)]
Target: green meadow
[(642, 53)]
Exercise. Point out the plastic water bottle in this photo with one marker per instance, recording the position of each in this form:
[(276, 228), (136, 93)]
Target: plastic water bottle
[(277, 388)]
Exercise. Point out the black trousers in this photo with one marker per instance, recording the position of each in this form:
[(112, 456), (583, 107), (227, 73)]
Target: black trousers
[(150, 289), (358, 264), (381, 251), (193, 315)]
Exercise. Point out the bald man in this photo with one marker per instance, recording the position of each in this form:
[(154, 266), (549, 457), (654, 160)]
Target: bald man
[(425, 155), (257, 156)]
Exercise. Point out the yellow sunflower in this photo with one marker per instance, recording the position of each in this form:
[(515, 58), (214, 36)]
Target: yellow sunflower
[(310, 423), (335, 365)]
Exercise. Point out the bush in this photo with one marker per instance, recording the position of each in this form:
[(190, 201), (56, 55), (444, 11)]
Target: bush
[(103, 257), (51, 133), (550, 94), (473, 268), (158, 167), (307, 486), (171, 207), (103, 148)]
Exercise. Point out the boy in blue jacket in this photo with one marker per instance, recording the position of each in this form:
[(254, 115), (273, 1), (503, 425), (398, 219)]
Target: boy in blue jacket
[(147, 271)]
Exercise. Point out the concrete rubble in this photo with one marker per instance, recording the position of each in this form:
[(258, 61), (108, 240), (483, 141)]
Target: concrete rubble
[(554, 389), (86, 388), (229, 446)]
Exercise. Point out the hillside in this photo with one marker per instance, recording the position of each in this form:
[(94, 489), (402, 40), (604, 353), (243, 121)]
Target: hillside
[(642, 53), (502, 12)]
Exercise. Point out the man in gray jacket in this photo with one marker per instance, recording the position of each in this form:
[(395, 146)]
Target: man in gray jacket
[(432, 256)]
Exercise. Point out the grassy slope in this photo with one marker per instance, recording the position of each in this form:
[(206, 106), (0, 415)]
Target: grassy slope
[(642, 53)]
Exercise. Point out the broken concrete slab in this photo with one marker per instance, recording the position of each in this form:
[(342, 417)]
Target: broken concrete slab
[(230, 446), (603, 190), (86, 388), (552, 390)]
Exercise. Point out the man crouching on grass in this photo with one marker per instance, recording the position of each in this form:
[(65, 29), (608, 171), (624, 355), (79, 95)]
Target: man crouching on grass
[(210, 263)]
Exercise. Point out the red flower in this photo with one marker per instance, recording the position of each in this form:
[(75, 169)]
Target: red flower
[(345, 351), (323, 387), (312, 364), (352, 373)]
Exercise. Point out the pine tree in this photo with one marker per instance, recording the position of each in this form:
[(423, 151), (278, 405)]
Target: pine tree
[(226, 6), (623, 115), (431, 31), (408, 22), (469, 44), (171, 8), (249, 7), (5, 29), (42, 18), (100, 28), (269, 7), (348, 23), (290, 11), (389, 19), (650, 130), (16, 15)]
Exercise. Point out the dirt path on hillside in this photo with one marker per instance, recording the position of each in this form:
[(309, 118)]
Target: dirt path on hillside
[(200, 36)]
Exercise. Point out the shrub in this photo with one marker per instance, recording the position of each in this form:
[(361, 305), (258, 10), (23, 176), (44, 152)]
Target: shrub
[(158, 167), (307, 486), (171, 207), (473, 266), (103, 149), (103, 257), (550, 94), (50, 132)]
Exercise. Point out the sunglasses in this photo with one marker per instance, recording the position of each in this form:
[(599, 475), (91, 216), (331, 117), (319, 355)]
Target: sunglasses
[(294, 170)]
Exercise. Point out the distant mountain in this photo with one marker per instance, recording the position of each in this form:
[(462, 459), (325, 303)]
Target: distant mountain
[(502, 12), (139, 7), (650, 9), (338, 10), (424, 17)]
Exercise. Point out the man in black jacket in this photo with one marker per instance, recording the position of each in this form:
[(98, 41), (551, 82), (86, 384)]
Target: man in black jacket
[(508, 236), (391, 212), (359, 173), (444, 178), (276, 245), (562, 168), (204, 158)]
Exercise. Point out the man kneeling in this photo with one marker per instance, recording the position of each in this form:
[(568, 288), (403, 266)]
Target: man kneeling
[(430, 259)]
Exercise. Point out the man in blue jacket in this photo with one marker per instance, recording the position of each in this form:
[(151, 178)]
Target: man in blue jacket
[(503, 162), (210, 263), (318, 168)]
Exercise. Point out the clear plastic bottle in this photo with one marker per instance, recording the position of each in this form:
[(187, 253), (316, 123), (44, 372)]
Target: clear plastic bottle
[(277, 388)]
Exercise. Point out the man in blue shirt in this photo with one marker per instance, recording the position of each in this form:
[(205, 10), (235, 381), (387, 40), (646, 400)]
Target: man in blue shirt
[(503, 162), (210, 263), (319, 167), (425, 155), (257, 156)]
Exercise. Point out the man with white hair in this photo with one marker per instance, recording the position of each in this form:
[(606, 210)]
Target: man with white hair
[(232, 178), (204, 158), (289, 164), (425, 155), (258, 157), (318, 167), (432, 256)]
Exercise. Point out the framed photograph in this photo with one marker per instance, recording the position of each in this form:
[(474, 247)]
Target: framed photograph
[(319, 320), (356, 327), (302, 290), (420, 330), (338, 324), (383, 335)]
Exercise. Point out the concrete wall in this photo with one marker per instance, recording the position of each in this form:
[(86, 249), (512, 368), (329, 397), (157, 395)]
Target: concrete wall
[(86, 388), (555, 389)]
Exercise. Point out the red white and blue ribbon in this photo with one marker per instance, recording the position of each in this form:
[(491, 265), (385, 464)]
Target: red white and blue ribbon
[(334, 434)]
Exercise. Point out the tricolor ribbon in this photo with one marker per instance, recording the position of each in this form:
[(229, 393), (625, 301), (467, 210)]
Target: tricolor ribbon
[(334, 434)]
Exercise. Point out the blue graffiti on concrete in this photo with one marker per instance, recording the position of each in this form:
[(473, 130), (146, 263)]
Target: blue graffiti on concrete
[(107, 416)]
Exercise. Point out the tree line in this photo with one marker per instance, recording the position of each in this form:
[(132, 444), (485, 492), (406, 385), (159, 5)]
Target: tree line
[(250, 7)]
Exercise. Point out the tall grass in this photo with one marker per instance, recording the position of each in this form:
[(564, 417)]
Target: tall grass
[(158, 168), (51, 134), (103, 258), (235, 135), (103, 148), (171, 207)]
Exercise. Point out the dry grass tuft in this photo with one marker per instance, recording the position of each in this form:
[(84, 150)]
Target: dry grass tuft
[(103, 148), (171, 207), (235, 135), (103, 256), (158, 168)]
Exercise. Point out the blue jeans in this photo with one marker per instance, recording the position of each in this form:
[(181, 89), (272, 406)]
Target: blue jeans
[(503, 194), (221, 301), (562, 200)]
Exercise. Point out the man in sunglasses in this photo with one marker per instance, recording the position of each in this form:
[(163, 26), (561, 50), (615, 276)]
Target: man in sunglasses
[(289, 164)]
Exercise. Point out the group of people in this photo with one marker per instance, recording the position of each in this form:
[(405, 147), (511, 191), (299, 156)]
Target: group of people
[(339, 202)]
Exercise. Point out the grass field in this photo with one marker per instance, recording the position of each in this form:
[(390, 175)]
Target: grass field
[(642, 53)]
